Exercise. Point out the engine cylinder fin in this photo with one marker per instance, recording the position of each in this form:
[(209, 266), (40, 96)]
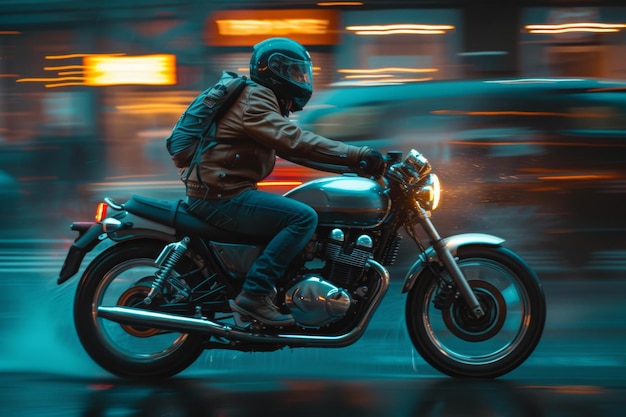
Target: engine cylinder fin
[(358, 258), (346, 268)]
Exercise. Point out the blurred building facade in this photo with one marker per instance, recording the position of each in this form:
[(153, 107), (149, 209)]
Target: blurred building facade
[(81, 131)]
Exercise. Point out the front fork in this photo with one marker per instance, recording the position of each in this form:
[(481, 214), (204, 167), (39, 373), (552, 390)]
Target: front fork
[(450, 264)]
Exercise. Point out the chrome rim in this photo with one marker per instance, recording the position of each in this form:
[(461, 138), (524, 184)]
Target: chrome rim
[(463, 338)]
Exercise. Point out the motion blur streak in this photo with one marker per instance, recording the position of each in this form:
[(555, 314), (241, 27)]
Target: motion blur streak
[(518, 113), (541, 143), (579, 177)]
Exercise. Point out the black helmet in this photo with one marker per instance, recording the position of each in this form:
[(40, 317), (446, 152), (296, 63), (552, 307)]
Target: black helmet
[(284, 66)]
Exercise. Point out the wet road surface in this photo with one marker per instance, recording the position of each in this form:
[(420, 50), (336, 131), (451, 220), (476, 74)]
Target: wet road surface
[(578, 369), (243, 395)]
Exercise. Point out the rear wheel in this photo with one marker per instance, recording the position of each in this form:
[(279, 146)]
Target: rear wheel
[(122, 276), (451, 339)]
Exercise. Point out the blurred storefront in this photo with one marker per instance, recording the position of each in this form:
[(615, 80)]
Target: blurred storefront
[(573, 42), (49, 105)]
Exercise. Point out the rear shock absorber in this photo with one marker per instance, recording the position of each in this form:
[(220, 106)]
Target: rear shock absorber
[(166, 261)]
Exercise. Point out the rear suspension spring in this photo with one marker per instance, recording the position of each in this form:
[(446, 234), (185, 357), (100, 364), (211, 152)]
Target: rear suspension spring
[(167, 260)]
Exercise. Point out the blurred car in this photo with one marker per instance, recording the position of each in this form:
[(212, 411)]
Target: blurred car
[(469, 109), (549, 154)]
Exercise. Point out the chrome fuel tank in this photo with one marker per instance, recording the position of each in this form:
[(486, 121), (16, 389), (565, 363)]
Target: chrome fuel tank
[(344, 201)]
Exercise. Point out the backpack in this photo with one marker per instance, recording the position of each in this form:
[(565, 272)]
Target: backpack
[(198, 122)]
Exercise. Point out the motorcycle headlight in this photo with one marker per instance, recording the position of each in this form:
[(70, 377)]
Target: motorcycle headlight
[(429, 193)]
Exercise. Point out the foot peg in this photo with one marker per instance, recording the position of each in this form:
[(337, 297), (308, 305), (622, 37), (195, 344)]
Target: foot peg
[(242, 320)]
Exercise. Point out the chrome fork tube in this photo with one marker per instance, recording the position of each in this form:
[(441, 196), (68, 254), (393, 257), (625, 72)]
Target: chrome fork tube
[(451, 266)]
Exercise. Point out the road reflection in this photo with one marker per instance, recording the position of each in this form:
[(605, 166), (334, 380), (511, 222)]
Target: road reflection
[(198, 397), (243, 395)]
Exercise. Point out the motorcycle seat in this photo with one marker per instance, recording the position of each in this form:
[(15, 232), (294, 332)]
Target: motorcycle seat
[(175, 214)]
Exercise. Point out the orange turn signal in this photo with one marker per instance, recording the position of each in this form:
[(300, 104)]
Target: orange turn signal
[(101, 212)]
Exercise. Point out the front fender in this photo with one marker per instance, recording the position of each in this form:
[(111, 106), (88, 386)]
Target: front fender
[(452, 243)]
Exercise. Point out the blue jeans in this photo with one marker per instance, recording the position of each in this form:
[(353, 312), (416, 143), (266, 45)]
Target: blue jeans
[(253, 212)]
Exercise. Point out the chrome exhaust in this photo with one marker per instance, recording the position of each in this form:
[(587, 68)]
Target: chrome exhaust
[(146, 318)]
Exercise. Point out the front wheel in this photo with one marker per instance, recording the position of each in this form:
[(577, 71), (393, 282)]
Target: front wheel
[(122, 276), (450, 338)]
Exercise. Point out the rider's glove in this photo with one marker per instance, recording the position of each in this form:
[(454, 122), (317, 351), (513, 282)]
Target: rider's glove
[(371, 163)]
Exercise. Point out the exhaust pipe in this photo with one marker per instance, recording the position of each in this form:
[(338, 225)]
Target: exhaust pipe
[(146, 318)]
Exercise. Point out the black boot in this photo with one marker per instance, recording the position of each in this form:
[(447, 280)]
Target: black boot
[(261, 308)]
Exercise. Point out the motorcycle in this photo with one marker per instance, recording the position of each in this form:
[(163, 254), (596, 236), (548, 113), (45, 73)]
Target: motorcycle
[(158, 294)]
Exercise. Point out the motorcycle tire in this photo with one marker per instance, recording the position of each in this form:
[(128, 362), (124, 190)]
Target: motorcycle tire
[(117, 276), (451, 339)]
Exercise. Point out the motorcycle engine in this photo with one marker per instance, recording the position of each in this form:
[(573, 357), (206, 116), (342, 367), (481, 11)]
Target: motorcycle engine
[(345, 259), (315, 301)]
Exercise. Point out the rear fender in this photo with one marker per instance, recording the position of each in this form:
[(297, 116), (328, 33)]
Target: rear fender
[(142, 228), (92, 234), (452, 243), (120, 246)]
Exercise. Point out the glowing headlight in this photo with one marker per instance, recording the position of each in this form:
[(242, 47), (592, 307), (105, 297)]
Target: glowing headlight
[(428, 195)]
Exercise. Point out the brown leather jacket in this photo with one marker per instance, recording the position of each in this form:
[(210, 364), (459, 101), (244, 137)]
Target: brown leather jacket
[(250, 135)]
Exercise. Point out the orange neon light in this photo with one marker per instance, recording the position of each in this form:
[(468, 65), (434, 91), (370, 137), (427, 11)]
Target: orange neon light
[(576, 27), (385, 75), (55, 85), (278, 183), (57, 81), (274, 27), (124, 70), (69, 56), (411, 29), (402, 80), (339, 3), (576, 177), (63, 67), (248, 27), (387, 69), (110, 69), (26, 80)]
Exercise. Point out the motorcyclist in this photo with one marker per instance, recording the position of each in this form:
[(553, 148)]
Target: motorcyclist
[(249, 137)]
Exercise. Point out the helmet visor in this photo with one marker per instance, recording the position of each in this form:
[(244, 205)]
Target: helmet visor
[(295, 71)]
